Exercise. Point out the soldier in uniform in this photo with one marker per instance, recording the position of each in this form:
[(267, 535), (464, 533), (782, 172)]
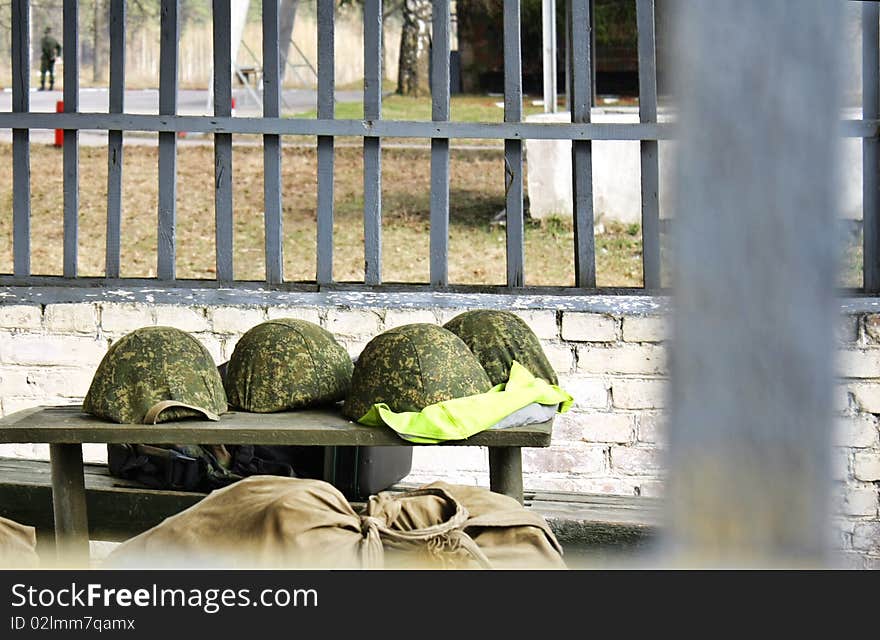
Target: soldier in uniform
[(50, 50)]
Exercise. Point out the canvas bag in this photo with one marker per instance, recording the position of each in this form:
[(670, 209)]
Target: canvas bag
[(265, 521)]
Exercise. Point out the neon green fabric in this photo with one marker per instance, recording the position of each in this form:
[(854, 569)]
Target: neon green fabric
[(461, 418)]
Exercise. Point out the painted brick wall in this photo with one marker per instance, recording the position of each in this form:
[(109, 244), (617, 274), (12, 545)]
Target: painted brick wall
[(613, 363)]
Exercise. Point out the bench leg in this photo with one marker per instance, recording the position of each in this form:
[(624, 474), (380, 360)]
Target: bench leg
[(69, 504), (505, 471)]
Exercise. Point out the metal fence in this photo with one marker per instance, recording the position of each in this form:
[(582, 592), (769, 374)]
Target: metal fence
[(581, 131)]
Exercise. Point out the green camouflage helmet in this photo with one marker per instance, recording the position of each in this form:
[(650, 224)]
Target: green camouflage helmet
[(497, 338), (156, 374), (287, 364), (411, 367)]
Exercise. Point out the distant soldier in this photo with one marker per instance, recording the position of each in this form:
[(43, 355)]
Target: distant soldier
[(51, 50)]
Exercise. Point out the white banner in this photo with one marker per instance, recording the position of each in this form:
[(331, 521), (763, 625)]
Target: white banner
[(239, 10)]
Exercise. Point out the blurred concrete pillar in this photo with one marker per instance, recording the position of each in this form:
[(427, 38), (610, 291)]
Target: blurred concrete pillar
[(548, 51), (754, 275)]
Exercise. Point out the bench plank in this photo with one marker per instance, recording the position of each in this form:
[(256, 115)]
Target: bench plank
[(119, 509), (325, 427)]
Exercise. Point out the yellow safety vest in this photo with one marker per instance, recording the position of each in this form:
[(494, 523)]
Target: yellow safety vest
[(461, 418)]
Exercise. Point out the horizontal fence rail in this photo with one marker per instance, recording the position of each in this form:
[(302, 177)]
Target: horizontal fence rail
[(360, 128), (272, 128)]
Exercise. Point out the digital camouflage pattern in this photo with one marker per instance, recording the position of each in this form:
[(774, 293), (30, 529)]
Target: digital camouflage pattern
[(497, 338), (151, 365), (411, 367), (287, 364)]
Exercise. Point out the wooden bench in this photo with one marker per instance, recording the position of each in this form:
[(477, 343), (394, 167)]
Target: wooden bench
[(66, 428), (591, 528), (247, 72)]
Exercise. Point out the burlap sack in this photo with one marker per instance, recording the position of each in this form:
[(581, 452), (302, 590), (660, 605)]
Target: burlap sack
[(265, 521), (18, 544)]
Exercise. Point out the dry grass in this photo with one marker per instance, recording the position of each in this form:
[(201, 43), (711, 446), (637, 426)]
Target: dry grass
[(476, 247)]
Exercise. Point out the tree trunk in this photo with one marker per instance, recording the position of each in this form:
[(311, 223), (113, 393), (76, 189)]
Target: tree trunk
[(415, 47)]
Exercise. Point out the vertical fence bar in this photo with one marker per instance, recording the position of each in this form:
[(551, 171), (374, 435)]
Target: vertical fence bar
[(567, 37), (168, 53), (326, 153), (649, 148), (752, 379), (114, 138), (581, 150), (272, 144), (222, 31), (372, 145), (513, 178), (440, 48), (71, 137), (870, 155), (21, 153), (594, 73)]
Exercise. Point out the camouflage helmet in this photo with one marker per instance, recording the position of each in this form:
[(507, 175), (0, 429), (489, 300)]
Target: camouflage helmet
[(411, 367), (287, 364), (497, 338), (156, 374)]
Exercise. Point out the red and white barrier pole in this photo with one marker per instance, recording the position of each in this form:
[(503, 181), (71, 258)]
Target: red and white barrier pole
[(59, 133)]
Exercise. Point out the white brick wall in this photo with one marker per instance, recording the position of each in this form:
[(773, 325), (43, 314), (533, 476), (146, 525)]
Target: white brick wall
[(866, 466), (219, 348), (353, 322), (120, 318), (652, 427), (859, 363), (866, 537), (645, 329), (71, 318), (614, 365), (636, 393), (311, 314), (400, 317), (858, 431), (235, 319), (588, 392), (21, 317), (860, 501), (543, 323), (867, 396), (560, 355), (636, 460), (572, 459), (51, 350), (192, 319), (607, 427), (621, 358), (588, 327)]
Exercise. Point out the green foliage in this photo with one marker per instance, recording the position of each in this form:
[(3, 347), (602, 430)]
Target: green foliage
[(556, 226), (615, 23)]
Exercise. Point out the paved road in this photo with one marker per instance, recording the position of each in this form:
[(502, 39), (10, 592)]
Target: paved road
[(190, 102), (146, 101)]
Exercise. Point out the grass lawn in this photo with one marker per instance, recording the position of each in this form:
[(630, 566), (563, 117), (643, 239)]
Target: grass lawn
[(476, 247), (463, 108)]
